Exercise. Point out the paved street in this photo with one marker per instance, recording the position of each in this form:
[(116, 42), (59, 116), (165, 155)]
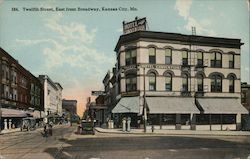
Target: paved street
[(64, 144)]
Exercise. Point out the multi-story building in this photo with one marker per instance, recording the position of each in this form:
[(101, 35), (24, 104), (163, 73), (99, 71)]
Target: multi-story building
[(70, 106), (21, 92), (245, 95), (179, 81), (52, 96)]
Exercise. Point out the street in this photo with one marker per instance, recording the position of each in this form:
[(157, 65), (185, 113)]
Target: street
[(64, 144)]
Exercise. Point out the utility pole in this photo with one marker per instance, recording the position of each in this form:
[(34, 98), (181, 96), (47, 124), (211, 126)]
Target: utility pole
[(144, 101)]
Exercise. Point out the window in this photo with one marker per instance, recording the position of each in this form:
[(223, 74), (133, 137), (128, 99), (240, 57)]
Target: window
[(168, 82), (231, 84), (131, 83), (130, 57), (200, 83), (184, 58), (152, 52), (199, 59), (168, 56), (231, 61), (216, 60), (184, 83), (152, 82), (216, 83)]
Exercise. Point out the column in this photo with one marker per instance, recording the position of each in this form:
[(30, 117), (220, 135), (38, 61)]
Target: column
[(178, 122), (193, 121), (10, 122), (238, 121), (5, 124)]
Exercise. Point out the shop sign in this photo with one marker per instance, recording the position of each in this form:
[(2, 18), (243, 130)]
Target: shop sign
[(97, 93)]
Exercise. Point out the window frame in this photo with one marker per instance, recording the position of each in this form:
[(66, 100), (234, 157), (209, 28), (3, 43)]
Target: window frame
[(216, 87), (216, 62), (168, 75), (152, 58), (168, 56), (131, 83), (152, 85)]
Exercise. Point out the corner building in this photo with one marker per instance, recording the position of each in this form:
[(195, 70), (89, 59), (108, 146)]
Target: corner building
[(189, 81)]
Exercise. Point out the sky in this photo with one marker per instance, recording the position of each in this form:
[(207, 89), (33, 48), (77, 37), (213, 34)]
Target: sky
[(76, 48)]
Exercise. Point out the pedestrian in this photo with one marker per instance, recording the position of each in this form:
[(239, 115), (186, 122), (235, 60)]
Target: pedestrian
[(45, 131)]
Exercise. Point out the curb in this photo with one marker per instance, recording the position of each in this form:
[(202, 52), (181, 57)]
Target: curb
[(174, 133)]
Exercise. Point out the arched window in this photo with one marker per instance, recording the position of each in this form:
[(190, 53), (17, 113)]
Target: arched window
[(231, 61), (184, 57), (168, 56), (199, 59), (231, 84), (216, 83), (168, 82), (131, 83), (152, 81), (152, 54), (216, 59), (184, 82), (200, 83)]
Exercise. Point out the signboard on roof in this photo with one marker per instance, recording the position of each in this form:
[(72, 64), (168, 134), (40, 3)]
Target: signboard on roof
[(133, 26)]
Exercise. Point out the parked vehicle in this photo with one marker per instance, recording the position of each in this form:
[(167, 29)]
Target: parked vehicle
[(28, 123), (88, 127)]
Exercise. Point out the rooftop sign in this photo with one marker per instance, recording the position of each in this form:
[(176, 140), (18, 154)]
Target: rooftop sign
[(136, 25)]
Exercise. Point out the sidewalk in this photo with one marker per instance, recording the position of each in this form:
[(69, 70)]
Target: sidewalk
[(175, 132), (10, 131)]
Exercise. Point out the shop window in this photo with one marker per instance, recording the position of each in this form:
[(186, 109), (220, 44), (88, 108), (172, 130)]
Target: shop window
[(185, 119)]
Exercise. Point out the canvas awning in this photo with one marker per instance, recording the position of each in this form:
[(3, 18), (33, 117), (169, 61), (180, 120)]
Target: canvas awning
[(10, 113), (127, 105), (221, 106), (171, 105)]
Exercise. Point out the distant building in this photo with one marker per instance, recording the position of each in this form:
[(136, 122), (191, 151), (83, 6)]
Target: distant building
[(52, 96), (69, 106), (245, 95)]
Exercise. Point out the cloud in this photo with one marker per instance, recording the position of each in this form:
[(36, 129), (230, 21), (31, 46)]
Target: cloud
[(183, 7), (248, 5), (201, 26)]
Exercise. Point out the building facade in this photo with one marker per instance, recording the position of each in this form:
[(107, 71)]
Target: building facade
[(21, 92), (245, 95), (177, 81), (69, 106), (52, 96)]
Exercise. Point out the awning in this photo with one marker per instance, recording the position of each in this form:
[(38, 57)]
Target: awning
[(127, 105), (221, 106), (36, 114), (171, 105), (8, 113)]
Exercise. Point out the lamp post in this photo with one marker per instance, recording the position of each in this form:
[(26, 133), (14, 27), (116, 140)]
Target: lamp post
[(144, 101)]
